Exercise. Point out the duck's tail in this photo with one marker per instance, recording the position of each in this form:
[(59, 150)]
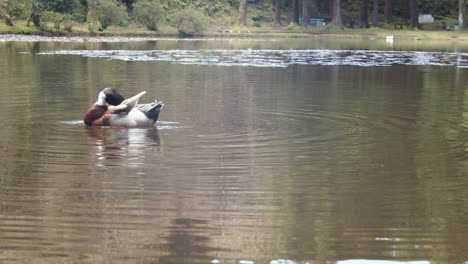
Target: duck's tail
[(152, 110)]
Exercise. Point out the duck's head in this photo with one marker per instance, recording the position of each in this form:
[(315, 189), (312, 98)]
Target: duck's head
[(109, 96)]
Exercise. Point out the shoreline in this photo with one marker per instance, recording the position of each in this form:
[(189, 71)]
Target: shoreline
[(39, 38), (252, 36)]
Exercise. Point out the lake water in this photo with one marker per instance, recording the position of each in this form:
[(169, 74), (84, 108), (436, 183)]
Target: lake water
[(267, 151)]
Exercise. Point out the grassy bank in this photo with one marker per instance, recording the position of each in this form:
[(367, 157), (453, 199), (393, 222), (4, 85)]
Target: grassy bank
[(290, 31), (47, 29)]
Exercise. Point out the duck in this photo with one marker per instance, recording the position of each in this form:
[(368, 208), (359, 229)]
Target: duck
[(112, 109)]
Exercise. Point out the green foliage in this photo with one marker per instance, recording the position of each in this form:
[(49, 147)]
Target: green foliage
[(80, 14), (170, 5), (190, 22), (10, 10), (188, 16), (209, 7), (149, 13), (212, 8), (109, 12), (62, 6), (128, 4), (37, 7), (261, 17), (122, 23), (439, 8)]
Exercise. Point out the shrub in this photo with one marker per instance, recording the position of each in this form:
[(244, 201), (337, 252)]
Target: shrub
[(148, 13), (190, 22), (56, 18), (68, 26), (109, 12)]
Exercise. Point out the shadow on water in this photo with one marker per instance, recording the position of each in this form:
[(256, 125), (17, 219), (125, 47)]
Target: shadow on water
[(188, 242)]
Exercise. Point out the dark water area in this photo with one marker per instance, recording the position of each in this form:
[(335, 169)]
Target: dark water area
[(362, 160)]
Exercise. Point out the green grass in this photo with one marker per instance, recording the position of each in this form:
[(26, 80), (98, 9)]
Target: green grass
[(19, 28)]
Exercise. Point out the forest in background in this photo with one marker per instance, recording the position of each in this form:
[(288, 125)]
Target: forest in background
[(194, 17)]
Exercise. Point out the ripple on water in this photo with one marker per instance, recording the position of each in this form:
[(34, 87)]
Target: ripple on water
[(279, 58)]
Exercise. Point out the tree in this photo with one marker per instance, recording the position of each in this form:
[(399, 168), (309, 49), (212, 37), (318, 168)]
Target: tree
[(190, 22), (10, 9), (336, 18), (414, 13), (462, 14), (109, 12), (40, 6), (388, 11), (243, 12), (91, 17), (148, 13), (375, 13), (306, 11), (277, 5), (37, 7), (365, 13), (295, 14), (406, 9)]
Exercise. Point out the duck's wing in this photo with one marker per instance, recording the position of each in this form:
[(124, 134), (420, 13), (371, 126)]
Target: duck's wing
[(127, 105), (151, 110)]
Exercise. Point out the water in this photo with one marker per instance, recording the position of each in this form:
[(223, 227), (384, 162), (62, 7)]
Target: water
[(296, 161)]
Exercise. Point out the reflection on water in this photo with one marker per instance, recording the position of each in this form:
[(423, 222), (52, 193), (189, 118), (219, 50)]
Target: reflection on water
[(129, 144), (299, 164)]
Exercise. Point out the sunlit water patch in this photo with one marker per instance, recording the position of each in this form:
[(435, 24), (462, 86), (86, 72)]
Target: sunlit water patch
[(279, 58), (167, 125)]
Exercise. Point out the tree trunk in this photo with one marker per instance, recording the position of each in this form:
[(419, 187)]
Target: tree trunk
[(406, 9), (35, 18), (375, 13), (306, 10), (326, 8), (388, 11), (9, 21), (277, 12), (91, 17), (414, 13), (336, 18), (462, 14), (364, 14), (92, 6), (243, 12), (295, 15)]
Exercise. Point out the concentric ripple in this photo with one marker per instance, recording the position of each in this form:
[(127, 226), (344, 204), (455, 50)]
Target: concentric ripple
[(279, 58)]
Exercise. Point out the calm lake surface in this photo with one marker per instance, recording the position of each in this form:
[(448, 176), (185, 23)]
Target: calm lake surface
[(267, 151)]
